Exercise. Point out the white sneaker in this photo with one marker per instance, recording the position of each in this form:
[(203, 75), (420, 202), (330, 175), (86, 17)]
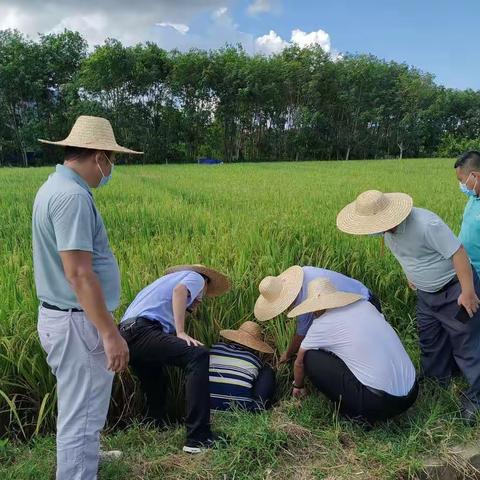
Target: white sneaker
[(110, 455)]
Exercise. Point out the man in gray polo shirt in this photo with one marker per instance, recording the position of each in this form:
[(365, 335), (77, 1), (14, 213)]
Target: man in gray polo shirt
[(437, 267), (78, 285)]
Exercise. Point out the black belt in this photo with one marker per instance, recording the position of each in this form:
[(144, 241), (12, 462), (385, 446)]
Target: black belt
[(139, 321), (453, 281), (58, 309), (383, 394)]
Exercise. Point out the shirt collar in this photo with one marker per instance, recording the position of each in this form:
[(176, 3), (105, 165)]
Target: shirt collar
[(401, 228), (73, 175)]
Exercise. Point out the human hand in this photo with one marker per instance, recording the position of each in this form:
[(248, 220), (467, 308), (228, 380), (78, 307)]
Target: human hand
[(284, 358), (116, 351), (470, 301), (191, 342), (411, 285), (299, 393)]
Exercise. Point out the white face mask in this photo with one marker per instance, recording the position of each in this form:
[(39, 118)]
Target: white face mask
[(105, 178)]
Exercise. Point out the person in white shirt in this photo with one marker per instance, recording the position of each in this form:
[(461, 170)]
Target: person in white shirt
[(353, 356)]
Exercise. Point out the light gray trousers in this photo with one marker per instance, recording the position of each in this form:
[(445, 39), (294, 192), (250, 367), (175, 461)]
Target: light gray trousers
[(76, 357)]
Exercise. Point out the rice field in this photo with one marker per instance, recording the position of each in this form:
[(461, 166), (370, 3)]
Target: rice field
[(249, 220)]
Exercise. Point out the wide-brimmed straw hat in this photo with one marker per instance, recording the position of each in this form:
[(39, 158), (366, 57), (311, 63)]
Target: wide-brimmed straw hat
[(95, 133), (374, 212), (278, 293), (218, 282), (322, 295), (250, 335)]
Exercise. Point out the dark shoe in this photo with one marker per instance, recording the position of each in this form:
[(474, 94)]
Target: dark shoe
[(196, 446), (469, 411)]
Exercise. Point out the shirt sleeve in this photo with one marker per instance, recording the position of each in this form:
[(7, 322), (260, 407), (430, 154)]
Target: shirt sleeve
[(194, 283), (73, 220), (303, 323), (316, 338), (439, 237)]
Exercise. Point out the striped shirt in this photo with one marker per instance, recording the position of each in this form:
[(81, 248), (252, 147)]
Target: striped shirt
[(233, 371)]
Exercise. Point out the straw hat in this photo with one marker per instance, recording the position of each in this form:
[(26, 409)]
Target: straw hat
[(322, 295), (95, 133), (278, 293), (250, 335), (374, 212), (218, 284)]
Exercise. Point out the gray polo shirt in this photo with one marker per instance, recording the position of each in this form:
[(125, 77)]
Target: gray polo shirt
[(65, 218), (424, 245)]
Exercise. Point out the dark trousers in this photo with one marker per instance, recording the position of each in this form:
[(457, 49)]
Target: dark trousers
[(446, 343), (264, 389), (261, 393), (151, 350), (375, 301), (334, 379)]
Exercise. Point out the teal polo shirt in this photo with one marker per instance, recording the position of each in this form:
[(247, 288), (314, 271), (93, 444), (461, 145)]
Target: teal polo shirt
[(470, 231), (65, 218)]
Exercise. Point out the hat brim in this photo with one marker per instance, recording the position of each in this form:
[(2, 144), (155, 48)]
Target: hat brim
[(399, 208), (91, 146), (292, 284), (246, 340), (218, 282), (325, 302)]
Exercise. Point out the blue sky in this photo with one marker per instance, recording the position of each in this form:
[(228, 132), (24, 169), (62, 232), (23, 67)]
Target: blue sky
[(439, 36)]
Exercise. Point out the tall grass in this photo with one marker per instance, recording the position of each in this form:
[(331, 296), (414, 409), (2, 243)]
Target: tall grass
[(247, 220)]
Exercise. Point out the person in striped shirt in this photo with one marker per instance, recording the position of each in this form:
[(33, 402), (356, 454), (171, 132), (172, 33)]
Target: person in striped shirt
[(238, 377)]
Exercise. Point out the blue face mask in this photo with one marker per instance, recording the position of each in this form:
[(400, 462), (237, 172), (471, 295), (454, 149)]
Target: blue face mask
[(464, 189), (467, 191), (105, 178)]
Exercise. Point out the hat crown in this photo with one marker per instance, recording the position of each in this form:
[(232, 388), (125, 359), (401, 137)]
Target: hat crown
[(321, 286), (252, 329), (370, 203), (91, 131), (271, 288)]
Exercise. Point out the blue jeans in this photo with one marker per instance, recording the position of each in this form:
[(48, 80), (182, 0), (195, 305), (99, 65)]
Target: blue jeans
[(76, 357)]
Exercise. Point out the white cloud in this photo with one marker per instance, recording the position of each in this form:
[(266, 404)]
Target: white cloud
[(169, 23), (270, 43), (273, 43), (221, 12), (127, 20), (179, 27), (260, 6), (303, 39)]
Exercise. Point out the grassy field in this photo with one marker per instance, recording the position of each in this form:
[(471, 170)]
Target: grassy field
[(249, 220)]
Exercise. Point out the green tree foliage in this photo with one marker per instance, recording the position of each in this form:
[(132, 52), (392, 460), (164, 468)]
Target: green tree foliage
[(177, 106)]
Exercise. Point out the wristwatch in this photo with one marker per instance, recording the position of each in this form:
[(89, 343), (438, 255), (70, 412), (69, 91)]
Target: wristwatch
[(296, 386)]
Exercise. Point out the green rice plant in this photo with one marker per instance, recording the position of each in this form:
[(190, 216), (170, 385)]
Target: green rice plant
[(249, 220)]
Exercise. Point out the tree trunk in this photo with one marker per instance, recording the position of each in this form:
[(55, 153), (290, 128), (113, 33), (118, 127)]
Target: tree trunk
[(400, 146), (347, 156)]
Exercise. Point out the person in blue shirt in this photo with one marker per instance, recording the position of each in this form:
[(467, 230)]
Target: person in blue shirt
[(467, 168), (78, 287), (238, 375), (281, 293), (154, 328)]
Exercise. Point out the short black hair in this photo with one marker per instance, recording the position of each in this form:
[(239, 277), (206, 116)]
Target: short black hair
[(207, 279), (470, 160), (77, 153)]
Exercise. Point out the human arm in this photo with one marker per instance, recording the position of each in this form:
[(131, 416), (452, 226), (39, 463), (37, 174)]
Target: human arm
[(292, 348), (179, 306), (468, 298), (299, 375)]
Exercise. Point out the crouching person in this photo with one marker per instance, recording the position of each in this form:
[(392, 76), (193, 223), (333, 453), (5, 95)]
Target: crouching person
[(353, 356), (238, 376), (154, 328)]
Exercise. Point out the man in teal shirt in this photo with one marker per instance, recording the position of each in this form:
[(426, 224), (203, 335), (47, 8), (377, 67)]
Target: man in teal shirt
[(78, 287), (467, 168)]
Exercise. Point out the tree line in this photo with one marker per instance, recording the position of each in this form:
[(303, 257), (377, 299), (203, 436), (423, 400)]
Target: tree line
[(300, 104)]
